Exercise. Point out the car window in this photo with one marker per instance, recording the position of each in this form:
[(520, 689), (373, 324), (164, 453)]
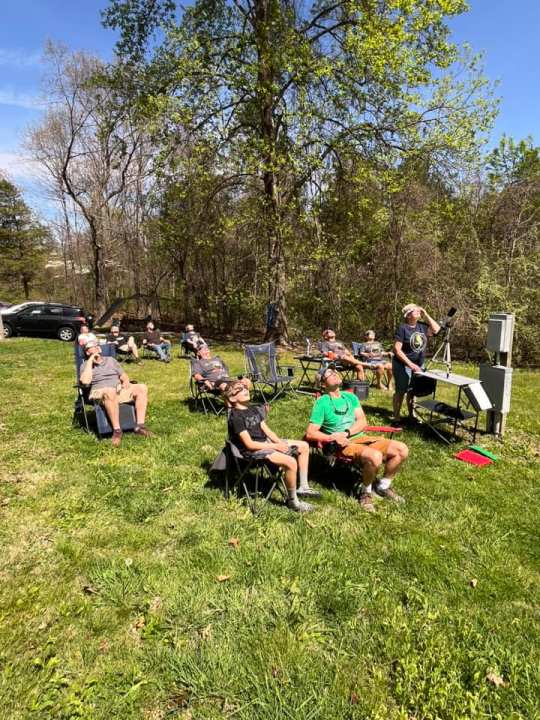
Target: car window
[(55, 310), (36, 311), (72, 311)]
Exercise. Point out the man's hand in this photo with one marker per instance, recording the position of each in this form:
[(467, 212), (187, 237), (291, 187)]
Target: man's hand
[(281, 446), (341, 439), (416, 368)]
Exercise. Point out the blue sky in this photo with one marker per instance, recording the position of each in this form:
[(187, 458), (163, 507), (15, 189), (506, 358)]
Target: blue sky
[(506, 32)]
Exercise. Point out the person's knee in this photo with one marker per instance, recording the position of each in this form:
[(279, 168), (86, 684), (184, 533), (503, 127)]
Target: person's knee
[(302, 446), (109, 395), (139, 389), (373, 457), (403, 450)]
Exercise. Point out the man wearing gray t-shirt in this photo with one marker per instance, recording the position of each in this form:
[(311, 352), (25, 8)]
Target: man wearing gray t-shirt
[(110, 386)]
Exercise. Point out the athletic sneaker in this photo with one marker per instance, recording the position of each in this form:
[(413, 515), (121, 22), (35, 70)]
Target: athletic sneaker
[(366, 502), (389, 494), (299, 506), (308, 492)]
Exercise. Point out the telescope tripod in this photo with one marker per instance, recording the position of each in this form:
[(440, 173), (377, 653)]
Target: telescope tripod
[(444, 351)]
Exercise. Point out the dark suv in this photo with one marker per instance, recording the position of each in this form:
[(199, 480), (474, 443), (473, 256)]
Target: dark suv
[(40, 319)]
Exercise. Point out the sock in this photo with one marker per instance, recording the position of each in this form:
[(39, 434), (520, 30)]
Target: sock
[(118, 429), (292, 495), (303, 479), (384, 483), (366, 489)]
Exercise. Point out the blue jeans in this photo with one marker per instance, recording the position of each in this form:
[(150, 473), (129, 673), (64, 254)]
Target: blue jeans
[(163, 350)]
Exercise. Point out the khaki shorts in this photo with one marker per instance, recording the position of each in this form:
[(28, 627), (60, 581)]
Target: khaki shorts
[(360, 444), (124, 396)]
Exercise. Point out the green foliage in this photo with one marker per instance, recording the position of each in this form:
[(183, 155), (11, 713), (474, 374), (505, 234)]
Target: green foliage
[(24, 242)]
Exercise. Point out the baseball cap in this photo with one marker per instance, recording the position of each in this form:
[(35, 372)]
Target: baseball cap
[(91, 344)]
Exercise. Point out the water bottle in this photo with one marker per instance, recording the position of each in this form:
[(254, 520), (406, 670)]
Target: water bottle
[(308, 346)]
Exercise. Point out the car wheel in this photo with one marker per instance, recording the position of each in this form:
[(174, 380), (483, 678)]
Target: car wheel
[(67, 334), (8, 330)]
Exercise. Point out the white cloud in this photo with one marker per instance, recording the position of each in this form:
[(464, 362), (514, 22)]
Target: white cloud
[(21, 99), (19, 58), (18, 167)]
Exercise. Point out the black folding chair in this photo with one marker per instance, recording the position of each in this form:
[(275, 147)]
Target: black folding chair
[(95, 418), (238, 469), (203, 397), (265, 373)]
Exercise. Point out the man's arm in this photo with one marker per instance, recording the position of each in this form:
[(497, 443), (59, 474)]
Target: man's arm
[(359, 423), (398, 352), (86, 372), (434, 326)]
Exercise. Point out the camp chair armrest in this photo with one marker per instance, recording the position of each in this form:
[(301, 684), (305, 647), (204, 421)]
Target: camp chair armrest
[(280, 368)]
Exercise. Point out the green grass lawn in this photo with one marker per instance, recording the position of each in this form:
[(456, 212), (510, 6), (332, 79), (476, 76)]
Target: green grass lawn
[(111, 607)]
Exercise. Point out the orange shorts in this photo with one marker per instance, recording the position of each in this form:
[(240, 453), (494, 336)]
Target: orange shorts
[(359, 445)]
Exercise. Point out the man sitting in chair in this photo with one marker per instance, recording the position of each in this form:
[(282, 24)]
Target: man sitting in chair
[(110, 386), (334, 350), (249, 432), (212, 371), (152, 338), (192, 340), (124, 345), (374, 357), (337, 416)]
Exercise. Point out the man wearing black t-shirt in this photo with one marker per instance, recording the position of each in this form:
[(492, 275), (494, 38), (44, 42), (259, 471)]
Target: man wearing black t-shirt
[(410, 343), (152, 338)]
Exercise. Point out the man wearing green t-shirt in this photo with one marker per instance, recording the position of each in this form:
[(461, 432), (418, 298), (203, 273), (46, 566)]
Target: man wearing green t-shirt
[(339, 416)]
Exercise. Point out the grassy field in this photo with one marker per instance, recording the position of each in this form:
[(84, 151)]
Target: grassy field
[(112, 597)]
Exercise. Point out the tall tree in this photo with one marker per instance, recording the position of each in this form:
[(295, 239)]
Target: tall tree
[(278, 88), (90, 151), (23, 240)]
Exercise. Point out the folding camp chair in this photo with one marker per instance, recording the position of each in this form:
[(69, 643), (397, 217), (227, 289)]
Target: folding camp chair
[(186, 350), (209, 400), (263, 370), (239, 468), (369, 371), (335, 457), (96, 418)]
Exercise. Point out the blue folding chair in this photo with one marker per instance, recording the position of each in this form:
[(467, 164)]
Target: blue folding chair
[(265, 373), (95, 418)]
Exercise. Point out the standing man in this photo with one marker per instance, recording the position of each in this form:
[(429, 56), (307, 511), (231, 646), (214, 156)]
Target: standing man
[(153, 339), (110, 386), (410, 343), (338, 416)]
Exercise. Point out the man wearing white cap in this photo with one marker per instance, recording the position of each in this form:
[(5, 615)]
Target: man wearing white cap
[(410, 343), (110, 386)]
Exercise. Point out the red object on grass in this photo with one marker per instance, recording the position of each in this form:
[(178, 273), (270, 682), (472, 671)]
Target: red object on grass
[(382, 428), (474, 458)]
